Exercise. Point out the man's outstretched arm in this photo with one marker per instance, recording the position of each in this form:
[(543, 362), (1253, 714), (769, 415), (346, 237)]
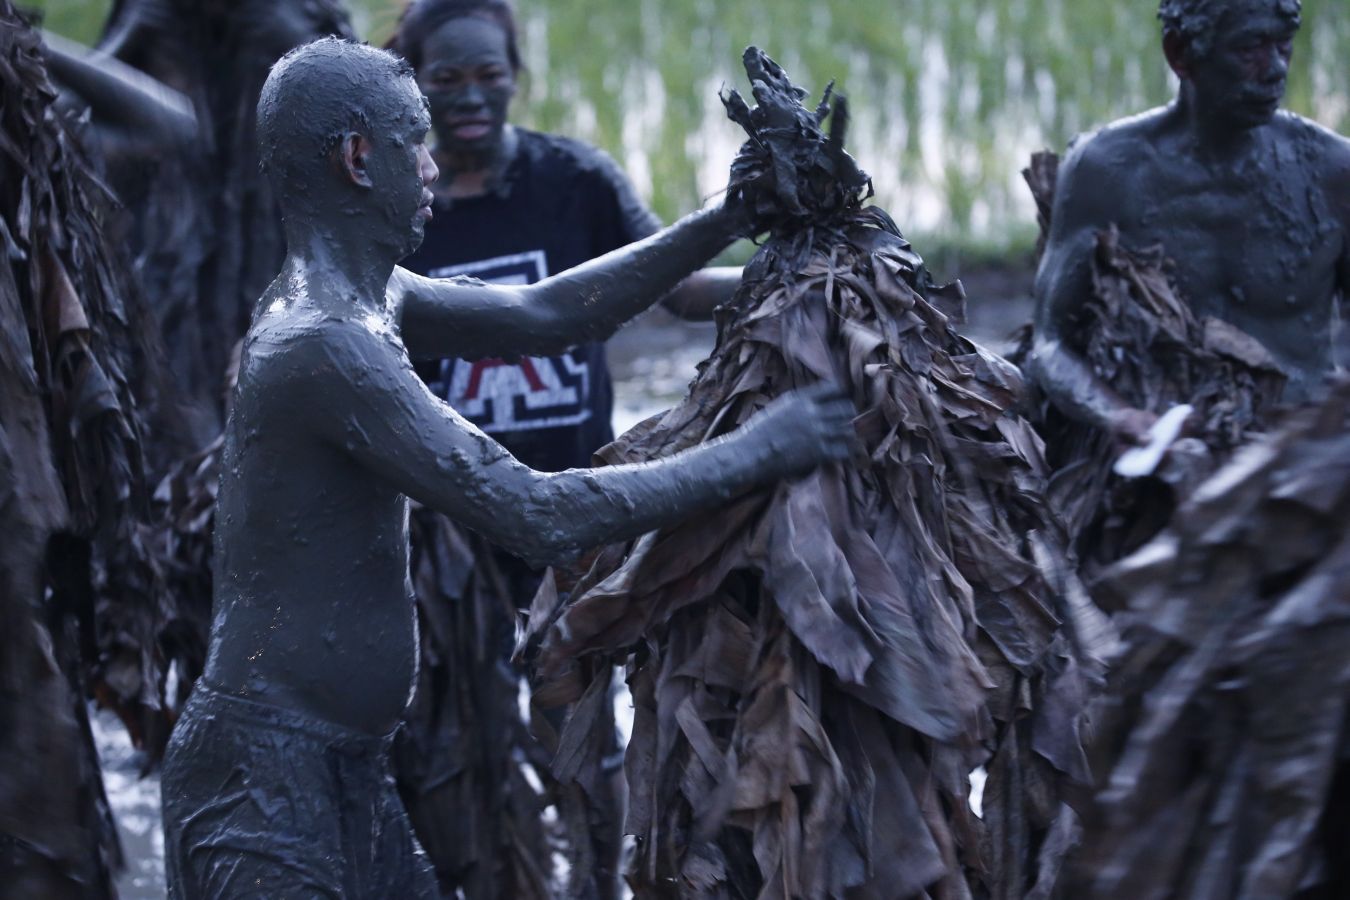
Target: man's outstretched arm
[(448, 317), (359, 392), (701, 293), (119, 96), (1063, 285)]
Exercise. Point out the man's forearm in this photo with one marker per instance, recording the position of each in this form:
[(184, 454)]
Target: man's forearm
[(1074, 388), (591, 301), (442, 317), (120, 95), (584, 508)]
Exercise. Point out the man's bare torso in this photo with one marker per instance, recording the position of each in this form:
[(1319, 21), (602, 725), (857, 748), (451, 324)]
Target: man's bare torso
[(313, 610), (1259, 240)]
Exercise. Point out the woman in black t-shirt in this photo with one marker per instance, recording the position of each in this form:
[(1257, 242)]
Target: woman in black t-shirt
[(517, 205), (512, 205)]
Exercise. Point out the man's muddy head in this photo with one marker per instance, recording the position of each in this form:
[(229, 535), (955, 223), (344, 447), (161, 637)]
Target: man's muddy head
[(342, 131), (1232, 54), (467, 60)]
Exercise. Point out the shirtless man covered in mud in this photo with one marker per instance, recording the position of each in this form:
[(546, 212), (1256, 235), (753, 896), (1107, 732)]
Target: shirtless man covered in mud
[(276, 781), (1253, 203)]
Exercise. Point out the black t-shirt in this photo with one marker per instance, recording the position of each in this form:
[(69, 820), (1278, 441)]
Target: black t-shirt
[(560, 204)]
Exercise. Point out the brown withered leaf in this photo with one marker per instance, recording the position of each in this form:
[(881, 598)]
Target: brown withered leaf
[(1221, 756), (817, 668), (80, 594), (462, 755)]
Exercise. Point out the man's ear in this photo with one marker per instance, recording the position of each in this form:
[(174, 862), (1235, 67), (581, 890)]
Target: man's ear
[(354, 157), (1177, 50)]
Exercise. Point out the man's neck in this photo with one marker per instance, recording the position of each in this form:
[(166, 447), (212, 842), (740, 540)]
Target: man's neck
[(1212, 138), (356, 273)]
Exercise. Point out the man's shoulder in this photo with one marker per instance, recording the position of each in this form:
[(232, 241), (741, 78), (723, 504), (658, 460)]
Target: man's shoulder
[(1312, 140), (1119, 143), (295, 346)]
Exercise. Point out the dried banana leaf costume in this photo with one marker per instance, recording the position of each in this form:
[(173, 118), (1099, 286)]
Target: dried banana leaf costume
[(1224, 756), (1140, 336), (207, 230), (464, 755), (79, 596), (816, 669)]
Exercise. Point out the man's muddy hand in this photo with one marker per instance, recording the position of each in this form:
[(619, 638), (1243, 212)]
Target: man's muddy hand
[(739, 199), (805, 429), (1131, 426)]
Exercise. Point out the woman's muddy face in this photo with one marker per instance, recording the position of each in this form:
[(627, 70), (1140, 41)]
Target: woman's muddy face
[(467, 77)]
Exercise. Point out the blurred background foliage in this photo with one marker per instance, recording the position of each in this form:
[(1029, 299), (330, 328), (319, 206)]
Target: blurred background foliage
[(949, 96)]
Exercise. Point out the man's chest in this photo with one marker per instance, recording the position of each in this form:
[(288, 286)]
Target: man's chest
[(1246, 245)]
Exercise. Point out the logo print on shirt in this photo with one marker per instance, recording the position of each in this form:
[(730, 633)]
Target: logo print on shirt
[(534, 392)]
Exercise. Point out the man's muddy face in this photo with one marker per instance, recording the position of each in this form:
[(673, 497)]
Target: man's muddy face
[(467, 76), (1242, 78), (402, 172)]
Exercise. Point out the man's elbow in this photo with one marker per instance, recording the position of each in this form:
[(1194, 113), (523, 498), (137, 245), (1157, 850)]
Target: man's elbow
[(1041, 361), (541, 525), (543, 325), (543, 545)]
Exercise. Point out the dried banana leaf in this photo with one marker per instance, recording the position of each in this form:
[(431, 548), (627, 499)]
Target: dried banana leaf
[(464, 757), (1224, 754), (79, 588), (1138, 334), (817, 668)]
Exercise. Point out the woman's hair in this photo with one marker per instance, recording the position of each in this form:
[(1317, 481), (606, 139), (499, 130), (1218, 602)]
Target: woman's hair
[(423, 17)]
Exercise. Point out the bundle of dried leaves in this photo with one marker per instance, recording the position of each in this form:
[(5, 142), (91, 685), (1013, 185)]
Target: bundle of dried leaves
[(462, 756), (1139, 335), (1223, 758), (81, 598), (817, 668)]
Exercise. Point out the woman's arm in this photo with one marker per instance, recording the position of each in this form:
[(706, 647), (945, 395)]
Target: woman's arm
[(701, 293), (443, 317)]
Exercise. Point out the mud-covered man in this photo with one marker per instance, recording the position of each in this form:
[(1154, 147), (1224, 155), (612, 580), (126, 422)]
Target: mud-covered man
[(1252, 203), (276, 781)]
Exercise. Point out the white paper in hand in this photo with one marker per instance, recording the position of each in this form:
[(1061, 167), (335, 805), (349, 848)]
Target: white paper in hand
[(1140, 461)]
